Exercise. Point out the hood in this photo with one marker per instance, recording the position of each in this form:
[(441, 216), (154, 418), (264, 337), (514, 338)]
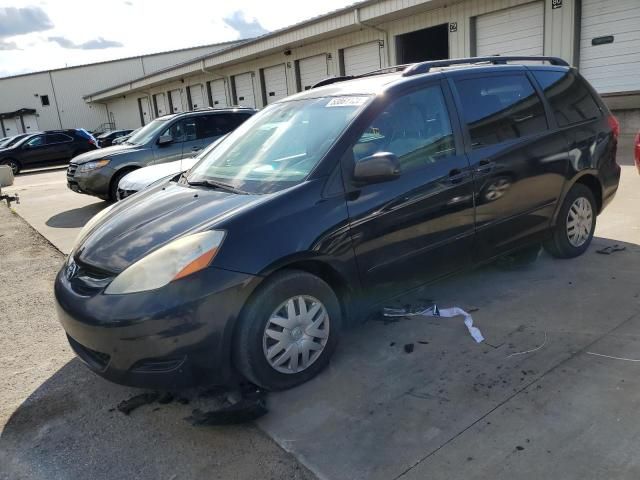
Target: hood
[(147, 221), (108, 152), (143, 177)]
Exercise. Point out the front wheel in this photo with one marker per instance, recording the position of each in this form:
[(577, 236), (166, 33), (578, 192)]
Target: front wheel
[(288, 331), (575, 225), (10, 162)]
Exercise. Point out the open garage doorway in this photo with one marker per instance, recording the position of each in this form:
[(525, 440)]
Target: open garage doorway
[(427, 44)]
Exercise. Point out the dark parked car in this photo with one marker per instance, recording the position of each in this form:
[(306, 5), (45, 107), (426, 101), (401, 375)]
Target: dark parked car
[(165, 139), (8, 141), (124, 138), (326, 205), (48, 148), (106, 139)]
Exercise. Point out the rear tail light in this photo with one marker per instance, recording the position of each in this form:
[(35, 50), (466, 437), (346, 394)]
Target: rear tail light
[(615, 126), (637, 151)]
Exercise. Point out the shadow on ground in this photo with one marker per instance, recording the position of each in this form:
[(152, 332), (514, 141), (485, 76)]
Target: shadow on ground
[(69, 429), (76, 217)]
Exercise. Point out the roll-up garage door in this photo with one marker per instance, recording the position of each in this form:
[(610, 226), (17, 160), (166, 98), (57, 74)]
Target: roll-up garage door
[(361, 58), (218, 93), (145, 110), (176, 101), (160, 104), (244, 90), (197, 97), (610, 44), (512, 31), (312, 70), (275, 83), (30, 123)]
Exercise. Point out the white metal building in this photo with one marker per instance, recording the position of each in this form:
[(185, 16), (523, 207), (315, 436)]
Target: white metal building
[(601, 37), (54, 99)]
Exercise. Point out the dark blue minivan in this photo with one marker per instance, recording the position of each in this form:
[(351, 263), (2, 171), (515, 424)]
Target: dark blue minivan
[(327, 204)]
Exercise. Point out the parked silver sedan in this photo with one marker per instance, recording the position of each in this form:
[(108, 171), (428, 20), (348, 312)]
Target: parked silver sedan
[(144, 177)]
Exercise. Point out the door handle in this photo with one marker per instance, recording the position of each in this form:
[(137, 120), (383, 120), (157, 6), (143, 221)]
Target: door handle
[(195, 149), (485, 166), (456, 175)]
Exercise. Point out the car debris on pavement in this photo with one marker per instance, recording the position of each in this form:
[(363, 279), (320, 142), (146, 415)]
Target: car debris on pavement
[(434, 311)]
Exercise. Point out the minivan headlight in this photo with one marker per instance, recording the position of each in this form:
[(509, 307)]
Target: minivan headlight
[(87, 167), (178, 259)]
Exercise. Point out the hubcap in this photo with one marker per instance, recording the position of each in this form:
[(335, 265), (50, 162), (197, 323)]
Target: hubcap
[(579, 222), (296, 334)]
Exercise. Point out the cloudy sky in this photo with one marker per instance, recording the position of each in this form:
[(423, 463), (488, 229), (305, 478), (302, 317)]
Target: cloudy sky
[(44, 34)]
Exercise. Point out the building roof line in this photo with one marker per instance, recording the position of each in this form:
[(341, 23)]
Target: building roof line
[(274, 33), (132, 57)]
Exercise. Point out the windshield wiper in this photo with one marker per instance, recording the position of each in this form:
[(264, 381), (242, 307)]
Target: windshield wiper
[(218, 185)]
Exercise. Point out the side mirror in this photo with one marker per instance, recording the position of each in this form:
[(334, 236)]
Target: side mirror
[(165, 140), (379, 167)]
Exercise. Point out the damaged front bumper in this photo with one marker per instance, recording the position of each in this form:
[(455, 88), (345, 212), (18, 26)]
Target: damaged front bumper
[(175, 337)]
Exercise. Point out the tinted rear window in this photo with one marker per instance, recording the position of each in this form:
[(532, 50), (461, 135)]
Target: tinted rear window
[(569, 97), (58, 138), (497, 109)]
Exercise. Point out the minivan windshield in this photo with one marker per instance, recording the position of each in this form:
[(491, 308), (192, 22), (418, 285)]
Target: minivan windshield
[(146, 133), (279, 146)]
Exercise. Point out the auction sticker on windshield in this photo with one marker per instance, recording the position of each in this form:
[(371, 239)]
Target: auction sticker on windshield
[(346, 101)]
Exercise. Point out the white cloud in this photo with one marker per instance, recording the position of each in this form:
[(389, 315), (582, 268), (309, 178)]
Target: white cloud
[(144, 26)]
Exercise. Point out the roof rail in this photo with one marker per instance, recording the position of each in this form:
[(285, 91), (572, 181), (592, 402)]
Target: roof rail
[(395, 68), (330, 80), (425, 67)]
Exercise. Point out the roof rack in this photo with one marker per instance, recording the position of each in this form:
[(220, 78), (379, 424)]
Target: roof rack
[(425, 67), (410, 69)]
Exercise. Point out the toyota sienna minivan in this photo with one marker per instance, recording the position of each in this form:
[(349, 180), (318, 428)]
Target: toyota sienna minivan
[(325, 205)]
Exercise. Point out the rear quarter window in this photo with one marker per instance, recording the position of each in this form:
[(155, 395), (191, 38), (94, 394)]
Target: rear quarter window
[(570, 99), (497, 109)]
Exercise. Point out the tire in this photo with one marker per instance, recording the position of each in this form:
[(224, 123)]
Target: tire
[(113, 186), (564, 245), (252, 344), (14, 164)]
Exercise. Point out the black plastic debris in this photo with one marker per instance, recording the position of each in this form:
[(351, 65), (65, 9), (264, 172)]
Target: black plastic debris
[(165, 398), (250, 407), (128, 406), (408, 348), (611, 249)]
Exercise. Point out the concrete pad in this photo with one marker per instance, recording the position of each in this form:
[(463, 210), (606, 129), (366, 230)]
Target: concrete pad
[(51, 208), (577, 422)]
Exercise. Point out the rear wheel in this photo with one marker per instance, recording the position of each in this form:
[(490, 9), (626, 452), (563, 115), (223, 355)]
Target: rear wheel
[(288, 331), (575, 225), (14, 164)]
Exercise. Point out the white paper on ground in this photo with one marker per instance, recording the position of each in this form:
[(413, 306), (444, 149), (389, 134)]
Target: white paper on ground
[(434, 311)]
